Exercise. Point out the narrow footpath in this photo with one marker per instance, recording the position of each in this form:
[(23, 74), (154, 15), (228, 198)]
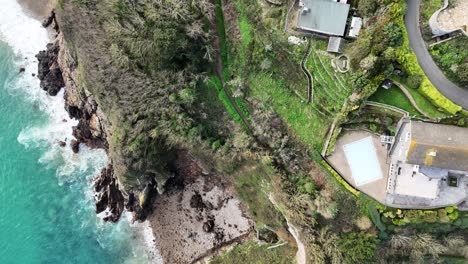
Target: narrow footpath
[(310, 91), (411, 99), (219, 73)]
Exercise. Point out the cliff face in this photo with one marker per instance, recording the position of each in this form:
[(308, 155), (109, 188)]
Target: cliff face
[(58, 69), (93, 127)]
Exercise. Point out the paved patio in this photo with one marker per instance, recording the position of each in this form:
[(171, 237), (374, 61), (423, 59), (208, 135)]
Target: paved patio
[(455, 16)]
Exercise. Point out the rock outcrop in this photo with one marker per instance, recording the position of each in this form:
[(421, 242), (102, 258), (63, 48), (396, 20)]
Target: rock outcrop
[(49, 71), (108, 196), (57, 69), (92, 128)]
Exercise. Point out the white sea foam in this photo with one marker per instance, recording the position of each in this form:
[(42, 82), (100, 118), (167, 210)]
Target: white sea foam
[(27, 37), (146, 236)]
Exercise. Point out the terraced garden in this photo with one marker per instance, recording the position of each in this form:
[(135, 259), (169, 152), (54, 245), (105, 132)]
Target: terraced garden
[(330, 88)]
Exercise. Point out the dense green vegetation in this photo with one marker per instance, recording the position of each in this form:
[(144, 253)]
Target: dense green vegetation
[(257, 254), (428, 7), (253, 186), (375, 119), (379, 59), (358, 247), (452, 57)]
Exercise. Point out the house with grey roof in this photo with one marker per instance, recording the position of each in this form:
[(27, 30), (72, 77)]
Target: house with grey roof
[(423, 166), (428, 166), (441, 146), (326, 17)]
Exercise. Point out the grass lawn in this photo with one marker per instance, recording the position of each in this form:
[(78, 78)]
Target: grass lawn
[(422, 102), (394, 96), (308, 126), (215, 84)]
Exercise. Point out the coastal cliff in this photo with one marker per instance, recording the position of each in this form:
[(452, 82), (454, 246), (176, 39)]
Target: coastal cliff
[(57, 70), (154, 166)]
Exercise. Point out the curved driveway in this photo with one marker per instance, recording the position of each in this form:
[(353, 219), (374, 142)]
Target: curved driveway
[(456, 94)]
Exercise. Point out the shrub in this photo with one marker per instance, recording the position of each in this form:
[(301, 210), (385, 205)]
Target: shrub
[(340, 179), (368, 7), (306, 185), (442, 215), (375, 216), (363, 223), (462, 72), (216, 145), (428, 90), (449, 209), (453, 215), (430, 216), (415, 80), (394, 34), (358, 247)]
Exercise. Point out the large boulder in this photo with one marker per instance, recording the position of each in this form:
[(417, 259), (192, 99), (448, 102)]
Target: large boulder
[(49, 71)]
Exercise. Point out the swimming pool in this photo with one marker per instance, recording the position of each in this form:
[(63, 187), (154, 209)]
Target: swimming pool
[(362, 159)]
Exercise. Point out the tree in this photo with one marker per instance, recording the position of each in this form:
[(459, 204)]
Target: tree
[(363, 223), (415, 80), (368, 7), (325, 206), (368, 62), (394, 34), (330, 246), (416, 246)]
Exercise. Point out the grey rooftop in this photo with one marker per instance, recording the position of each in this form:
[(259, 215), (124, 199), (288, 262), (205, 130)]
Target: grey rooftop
[(324, 16)]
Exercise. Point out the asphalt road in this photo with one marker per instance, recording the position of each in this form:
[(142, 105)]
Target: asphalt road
[(456, 94)]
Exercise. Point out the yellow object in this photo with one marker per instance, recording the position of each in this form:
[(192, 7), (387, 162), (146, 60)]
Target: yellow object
[(340, 179)]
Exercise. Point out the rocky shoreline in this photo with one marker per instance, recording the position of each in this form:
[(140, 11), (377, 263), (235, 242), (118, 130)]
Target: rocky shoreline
[(57, 69)]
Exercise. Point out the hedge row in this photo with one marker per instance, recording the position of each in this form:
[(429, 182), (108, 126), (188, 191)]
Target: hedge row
[(340, 179)]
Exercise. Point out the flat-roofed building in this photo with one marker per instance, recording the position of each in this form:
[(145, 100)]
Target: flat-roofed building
[(336, 44), (326, 17), (440, 146), (423, 157)]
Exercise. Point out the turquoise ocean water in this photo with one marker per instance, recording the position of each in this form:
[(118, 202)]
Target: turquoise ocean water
[(46, 204)]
